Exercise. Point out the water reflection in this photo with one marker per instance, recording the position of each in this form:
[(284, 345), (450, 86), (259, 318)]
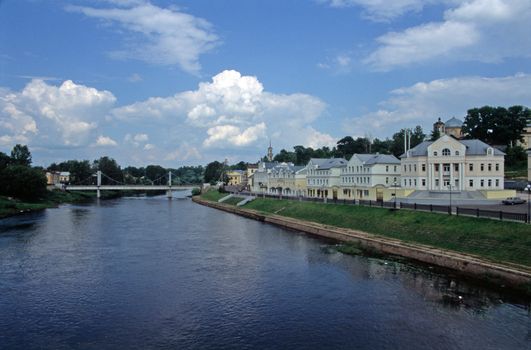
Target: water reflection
[(147, 272)]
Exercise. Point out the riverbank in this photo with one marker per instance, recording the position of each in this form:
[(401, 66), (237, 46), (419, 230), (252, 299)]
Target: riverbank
[(11, 206), (499, 252)]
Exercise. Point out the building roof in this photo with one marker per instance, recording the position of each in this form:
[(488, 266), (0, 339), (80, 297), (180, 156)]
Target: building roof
[(473, 148), (453, 123), (64, 173), (371, 159), (329, 163)]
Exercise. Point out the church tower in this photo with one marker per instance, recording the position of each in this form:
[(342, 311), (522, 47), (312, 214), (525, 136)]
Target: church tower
[(270, 152)]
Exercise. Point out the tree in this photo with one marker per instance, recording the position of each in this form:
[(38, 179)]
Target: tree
[(21, 155), (515, 156), (435, 134), (417, 136), (22, 182), (5, 160), (499, 126), (381, 146), (213, 172), (285, 156), (157, 173), (110, 168)]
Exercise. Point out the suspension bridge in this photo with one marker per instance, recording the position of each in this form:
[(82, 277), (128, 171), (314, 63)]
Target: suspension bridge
[(122, 186)]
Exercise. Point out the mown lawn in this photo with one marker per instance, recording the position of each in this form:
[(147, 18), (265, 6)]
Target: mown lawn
[(233, 200), (492, 239), (213, 195)]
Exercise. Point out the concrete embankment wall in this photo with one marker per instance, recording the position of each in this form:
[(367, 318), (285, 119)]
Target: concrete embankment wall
[(510, 275)]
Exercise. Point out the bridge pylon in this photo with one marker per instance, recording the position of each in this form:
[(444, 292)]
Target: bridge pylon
[(168, 192), (98, 193)]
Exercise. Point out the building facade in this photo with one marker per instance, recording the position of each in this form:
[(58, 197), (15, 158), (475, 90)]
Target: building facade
[(367, 175), (283, 180), (235, 177), (323, 177), (450, 164)]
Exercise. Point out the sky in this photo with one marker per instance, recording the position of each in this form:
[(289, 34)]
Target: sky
[(188, 82)]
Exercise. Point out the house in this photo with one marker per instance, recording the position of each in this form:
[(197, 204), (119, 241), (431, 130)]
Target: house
[(52, 178), (260, 179), (323, 177), (235, 177), (64, 177), (366, 176), (451, 164), (283, 180)]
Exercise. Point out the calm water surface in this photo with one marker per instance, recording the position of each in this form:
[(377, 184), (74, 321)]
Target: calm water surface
[(142, 273)]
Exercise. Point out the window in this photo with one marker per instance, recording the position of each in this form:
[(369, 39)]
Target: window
[(482, 167), (471, 183), (456, 183), (386, 180), (497, 183), (490, 183), (446, 152), (435, 154), (489, 151), (436, 167), (409, 167), (387, 168), (489, 167), (423, 167), (394, 180), (497, 167), (415, 167), (471, 167), (405, 168), (456, 153), (482, 183), (423, 182), (436, 182), (409, 182), (415, 182), (456, 167), (446, 167), (395, 168)]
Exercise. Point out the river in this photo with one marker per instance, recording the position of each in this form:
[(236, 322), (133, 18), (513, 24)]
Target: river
[(146, 272)]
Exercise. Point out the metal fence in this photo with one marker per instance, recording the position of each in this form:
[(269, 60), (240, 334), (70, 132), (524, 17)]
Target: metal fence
[(434, 208)]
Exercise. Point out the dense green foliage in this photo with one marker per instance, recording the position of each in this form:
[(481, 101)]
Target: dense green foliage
[(22, 182), (492, 239), (214, 172), (20, 155), (496, 125), (80, 170)]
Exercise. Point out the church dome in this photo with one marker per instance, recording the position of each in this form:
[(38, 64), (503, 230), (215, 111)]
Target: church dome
[(453, 123)]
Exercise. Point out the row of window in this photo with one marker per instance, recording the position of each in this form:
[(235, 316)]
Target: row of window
[(446, 167), (317, 182), (319, 172), (362, 169), (446, 183)]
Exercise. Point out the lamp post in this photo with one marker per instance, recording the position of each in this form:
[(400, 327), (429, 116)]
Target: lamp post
[(528, 189), (450, 187), (394, 184)]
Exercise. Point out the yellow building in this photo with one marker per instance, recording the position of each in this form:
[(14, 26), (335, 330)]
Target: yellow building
[(235, 177)]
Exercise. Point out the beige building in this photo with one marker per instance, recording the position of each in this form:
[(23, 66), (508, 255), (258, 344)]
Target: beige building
[(461, 165), (323, 177), (526, 138), (235, 177), (287, 179), (366, 176)]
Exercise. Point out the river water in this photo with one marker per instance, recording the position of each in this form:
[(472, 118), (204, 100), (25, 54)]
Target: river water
[(141, 273)]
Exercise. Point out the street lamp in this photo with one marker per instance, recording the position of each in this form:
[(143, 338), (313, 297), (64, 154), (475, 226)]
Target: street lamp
[(450, 187), (394, 184), (528, 189)]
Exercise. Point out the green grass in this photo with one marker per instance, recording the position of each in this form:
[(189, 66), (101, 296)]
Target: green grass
[(233, 200), (495, 240), (213, 195)]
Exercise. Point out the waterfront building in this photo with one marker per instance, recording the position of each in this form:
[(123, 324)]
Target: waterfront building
[(259, 182), (366, 176), (448, 163), (283, 180), (526, 138), (235, 177), (323, 177)]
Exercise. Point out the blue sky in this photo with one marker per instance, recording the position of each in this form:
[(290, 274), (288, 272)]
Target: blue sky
[(187, 82)]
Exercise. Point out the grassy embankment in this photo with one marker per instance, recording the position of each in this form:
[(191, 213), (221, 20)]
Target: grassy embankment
[(491, 239)]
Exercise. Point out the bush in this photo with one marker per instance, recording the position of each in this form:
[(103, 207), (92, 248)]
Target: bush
[(196, 191), (22, 182)]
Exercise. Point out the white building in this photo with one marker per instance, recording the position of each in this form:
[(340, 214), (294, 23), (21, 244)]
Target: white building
[(461, 165), (367, 171), (323, 177)]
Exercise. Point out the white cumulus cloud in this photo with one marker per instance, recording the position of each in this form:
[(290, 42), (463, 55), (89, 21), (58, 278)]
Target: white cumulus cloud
[(475, 30), (165, 36), (232, 110), (105, 141), (62, 115), (424, 102)]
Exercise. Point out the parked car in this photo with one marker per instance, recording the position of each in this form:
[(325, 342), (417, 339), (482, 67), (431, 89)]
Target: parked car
[(513, 201)]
